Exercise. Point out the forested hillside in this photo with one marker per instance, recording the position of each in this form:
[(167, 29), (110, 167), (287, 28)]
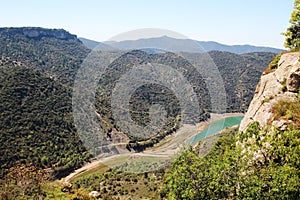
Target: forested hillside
[(240, 75), (55, 52), (37, 70), (261, 160), (37, 67), (36, 122)]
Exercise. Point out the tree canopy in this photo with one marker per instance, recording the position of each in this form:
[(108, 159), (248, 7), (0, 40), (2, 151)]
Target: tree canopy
[(292, 33)]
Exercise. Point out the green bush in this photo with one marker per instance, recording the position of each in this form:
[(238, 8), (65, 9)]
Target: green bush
[(274, 63), (231, 172)]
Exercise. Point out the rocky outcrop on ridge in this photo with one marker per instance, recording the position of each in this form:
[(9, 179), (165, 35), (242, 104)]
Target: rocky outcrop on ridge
[(36, 33)]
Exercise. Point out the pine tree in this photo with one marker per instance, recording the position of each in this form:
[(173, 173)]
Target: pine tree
[(292, 33)]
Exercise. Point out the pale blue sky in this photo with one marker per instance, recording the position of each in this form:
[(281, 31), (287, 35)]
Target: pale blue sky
[(256, 22)]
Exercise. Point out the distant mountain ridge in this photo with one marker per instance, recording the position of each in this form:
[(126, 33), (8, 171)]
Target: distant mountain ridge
[(238, 49), (186, 45)]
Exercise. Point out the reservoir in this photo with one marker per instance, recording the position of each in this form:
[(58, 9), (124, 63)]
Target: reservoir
[(216, 127)]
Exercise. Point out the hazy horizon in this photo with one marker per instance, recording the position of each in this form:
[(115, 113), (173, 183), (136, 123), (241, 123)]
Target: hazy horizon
[(153, 37), (258, 23)]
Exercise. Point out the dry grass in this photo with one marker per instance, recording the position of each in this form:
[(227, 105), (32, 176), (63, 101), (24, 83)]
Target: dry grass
[(287, 110)]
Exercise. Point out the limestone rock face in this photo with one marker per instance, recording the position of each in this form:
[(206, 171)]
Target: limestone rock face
[(37, 33), (94, 194), (40, 32), (283, 83)]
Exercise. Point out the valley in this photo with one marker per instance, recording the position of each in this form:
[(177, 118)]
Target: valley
[(192, 152), (164, 151), (41, 68)]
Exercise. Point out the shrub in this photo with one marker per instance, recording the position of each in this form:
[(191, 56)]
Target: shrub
[(274, 63)]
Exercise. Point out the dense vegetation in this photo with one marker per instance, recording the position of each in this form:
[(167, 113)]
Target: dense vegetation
[(150, 94), (58, 58), (39, 139), (257, 164), (261, 163), (37, 69), (240, 74), (268, 169), (36, 124)]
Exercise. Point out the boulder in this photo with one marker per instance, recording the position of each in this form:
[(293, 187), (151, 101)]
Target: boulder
[(94, 194), (293, 81), (66, 187)]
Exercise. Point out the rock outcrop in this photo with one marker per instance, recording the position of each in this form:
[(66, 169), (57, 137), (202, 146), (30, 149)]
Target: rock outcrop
[(37, 33), (283, 83), (94, 194)]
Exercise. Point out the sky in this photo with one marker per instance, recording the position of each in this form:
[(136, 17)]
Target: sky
[(255, 22)]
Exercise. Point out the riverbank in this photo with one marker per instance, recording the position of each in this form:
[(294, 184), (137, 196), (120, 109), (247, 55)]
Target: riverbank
[(216, 126), (215, 116), (168, 147)]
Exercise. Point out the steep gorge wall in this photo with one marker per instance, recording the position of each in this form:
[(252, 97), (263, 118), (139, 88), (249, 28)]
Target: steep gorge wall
[(281, 84)]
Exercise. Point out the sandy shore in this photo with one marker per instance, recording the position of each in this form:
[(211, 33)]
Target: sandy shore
[(215, 116)]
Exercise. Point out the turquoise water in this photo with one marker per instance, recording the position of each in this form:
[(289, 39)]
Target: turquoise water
[(216, 127)]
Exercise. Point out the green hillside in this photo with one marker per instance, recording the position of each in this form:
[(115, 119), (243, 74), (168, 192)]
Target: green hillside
[(36, 122), (240, 74), (37, 70), (55, 52), (36, 112)]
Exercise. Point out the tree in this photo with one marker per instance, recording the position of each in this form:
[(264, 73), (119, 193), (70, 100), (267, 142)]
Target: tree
[(214, 176), (257, 164), (292, 33)]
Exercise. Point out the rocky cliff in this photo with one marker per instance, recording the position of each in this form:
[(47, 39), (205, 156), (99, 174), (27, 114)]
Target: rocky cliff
[(36, 33), (281, 84)]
